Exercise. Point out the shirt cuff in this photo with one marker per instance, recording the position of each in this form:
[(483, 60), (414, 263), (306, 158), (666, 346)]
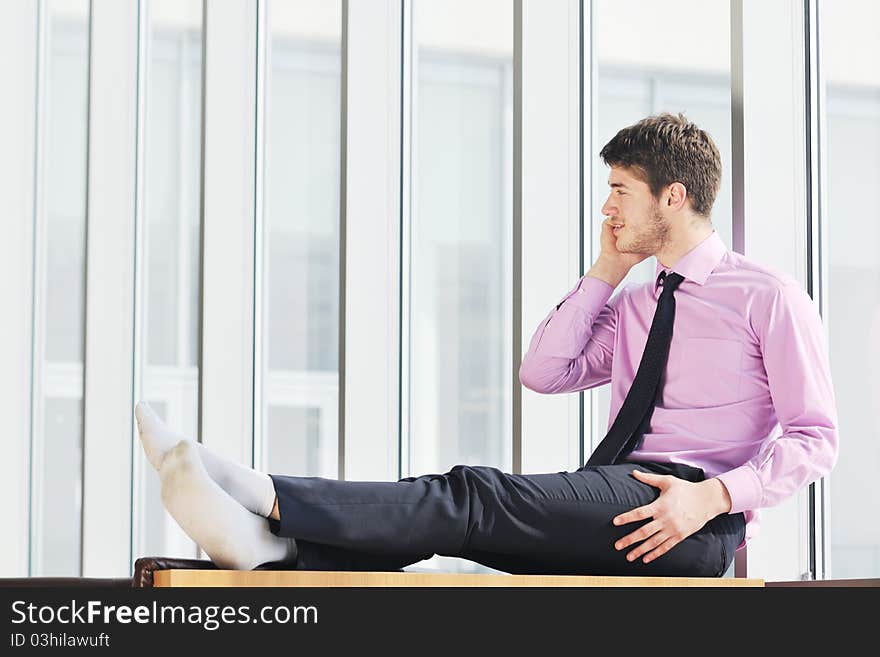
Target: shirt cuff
[(590, 295), (744, 487)]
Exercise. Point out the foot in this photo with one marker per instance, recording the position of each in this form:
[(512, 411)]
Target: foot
[(252, 489), (157, 438), (233, 537)]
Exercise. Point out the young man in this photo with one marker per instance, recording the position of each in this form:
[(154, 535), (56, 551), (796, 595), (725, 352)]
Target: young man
[(692, 452)]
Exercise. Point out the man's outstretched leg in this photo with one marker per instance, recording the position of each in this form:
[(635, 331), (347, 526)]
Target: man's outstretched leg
[(546, 523)]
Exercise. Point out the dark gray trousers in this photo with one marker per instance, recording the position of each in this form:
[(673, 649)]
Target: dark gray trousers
[(555, 523)]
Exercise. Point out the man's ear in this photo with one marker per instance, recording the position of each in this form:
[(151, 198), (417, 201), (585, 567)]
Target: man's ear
[(676, 196)]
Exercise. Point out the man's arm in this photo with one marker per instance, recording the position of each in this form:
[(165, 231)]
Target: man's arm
[(796, 360), (573, 346)]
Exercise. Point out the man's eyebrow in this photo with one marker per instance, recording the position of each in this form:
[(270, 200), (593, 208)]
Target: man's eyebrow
[(617, 184)]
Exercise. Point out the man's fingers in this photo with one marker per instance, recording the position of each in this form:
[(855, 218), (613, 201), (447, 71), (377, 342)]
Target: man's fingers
[(654, 479), (662, 549), (658, 539), (640, 534), (640, 513)]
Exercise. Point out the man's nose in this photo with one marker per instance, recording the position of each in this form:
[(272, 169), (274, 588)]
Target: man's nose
[(608, 208)]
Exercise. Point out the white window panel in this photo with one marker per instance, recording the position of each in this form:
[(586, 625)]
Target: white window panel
[(166, 361), (372, 229), (299, 178), (457, 314), (228, 228), (109, 422), (18, 53), (56, 484), (460, 317), (849, 49), (550, 184)]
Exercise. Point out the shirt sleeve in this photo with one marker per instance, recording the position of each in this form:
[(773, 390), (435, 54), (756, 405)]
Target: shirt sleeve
[(795, 354), (573, 346)]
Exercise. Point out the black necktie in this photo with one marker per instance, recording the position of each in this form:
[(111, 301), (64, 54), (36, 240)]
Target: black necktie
[(634, 417)]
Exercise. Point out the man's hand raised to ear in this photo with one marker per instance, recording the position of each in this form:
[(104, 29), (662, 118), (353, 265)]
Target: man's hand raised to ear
[(682, 508)]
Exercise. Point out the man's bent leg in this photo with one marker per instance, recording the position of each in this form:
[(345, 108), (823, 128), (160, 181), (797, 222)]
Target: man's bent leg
[(543, 523)]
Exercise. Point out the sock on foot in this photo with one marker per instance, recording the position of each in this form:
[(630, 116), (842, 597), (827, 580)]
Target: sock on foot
[(252, 489), (232, 536), (156, 437)]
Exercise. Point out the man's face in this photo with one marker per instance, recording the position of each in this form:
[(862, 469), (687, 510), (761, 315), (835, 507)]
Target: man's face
[(631, 204)]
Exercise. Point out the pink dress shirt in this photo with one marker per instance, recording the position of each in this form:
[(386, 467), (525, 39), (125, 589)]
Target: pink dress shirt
[(748, 357)]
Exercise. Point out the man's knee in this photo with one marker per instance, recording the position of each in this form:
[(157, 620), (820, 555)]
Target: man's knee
[(475, 476)]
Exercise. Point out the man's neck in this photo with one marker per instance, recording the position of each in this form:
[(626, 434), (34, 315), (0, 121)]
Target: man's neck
[(679, 245)]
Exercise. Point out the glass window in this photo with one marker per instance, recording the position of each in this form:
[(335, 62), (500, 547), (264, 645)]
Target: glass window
[(300, 263), (171, 234), (296, 433), (56, 496), (60, 496), (461, 220), (850, 47)]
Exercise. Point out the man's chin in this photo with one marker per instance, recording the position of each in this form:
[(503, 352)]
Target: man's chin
[(630, 250)]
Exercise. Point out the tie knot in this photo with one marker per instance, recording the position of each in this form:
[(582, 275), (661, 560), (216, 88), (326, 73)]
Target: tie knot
[(671, 282)]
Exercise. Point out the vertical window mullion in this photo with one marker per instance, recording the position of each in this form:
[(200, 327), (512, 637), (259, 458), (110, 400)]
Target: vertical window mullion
[(816, 269), (409, 71), (258, 456)]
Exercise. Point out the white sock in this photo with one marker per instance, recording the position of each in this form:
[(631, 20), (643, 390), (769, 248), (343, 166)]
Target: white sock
[(233, 537), (252, 489)]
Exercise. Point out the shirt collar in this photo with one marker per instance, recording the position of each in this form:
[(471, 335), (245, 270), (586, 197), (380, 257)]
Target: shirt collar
[(699, 262)]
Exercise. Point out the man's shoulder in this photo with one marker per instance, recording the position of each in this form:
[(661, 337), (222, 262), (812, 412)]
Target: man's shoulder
[(772, 292), (760, 275), (768, 283)]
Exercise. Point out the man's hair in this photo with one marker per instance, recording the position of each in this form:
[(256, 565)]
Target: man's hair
[(664, 149)]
